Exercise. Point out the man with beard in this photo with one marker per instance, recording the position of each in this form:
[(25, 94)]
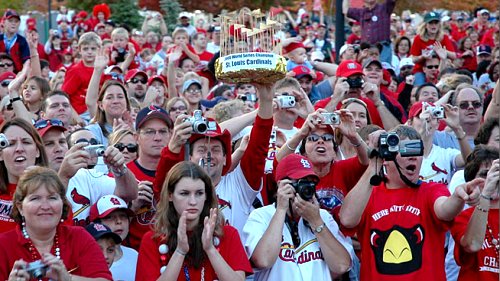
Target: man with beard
[(136, 81), (400, 221)]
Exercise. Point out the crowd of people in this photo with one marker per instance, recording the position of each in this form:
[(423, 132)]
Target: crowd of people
[(122, 157)]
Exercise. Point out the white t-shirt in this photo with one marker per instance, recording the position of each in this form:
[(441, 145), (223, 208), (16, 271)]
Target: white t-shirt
[(124, 268), (84, 189), (304, 263), (439, 165)]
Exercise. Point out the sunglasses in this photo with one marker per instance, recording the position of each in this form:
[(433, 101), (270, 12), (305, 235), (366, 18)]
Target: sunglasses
[(132, 148), (179, 108), (466, 104), (315, 138), (43, 123), (6, 64), (5, 83), (137, 80), (91, 141), (432, 66)]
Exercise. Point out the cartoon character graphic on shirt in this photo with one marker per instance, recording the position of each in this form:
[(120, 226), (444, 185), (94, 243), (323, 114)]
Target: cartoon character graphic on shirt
[(146, 214), (79, 199), (330, 198), (398, 250)]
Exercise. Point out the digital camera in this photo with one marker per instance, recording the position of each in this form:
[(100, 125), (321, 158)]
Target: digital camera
[(436, 111), (306, 189), (96, 150), (355, 83), (4, 142), (285, 101), (248, 97), (331, 118), (389, 145), (200, 124), (37, 269)]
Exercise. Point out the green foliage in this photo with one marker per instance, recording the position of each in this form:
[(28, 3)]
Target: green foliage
[(17, 5), (126, 12), (86, 5), (171, 8)]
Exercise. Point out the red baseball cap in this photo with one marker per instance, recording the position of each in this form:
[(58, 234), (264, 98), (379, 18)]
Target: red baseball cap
[(7, 76), (132, 73), (293, 46), (294, 166), (106, 205), (301, 71), (44, 125), (156, 77), (349, 67), (417, 107)]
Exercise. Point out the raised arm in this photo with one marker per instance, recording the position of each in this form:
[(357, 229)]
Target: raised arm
[(93, 89), (171, 61), (126, 183), (14, 89), (453, 121), (129, 58), (494, 106), (32, 39), (447, 208), (238, 123), (372, 91), (345, 7)]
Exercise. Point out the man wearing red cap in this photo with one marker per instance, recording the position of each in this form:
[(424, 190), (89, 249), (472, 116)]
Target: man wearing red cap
[(5, 79), (13, 43), (237, 189), (294, 239), (136, 81)]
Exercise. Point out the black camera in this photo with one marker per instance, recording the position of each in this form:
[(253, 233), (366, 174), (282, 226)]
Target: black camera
[(355, 83), (200, 124), (4, 142), (389, 145), (37, 269), (305, 188)]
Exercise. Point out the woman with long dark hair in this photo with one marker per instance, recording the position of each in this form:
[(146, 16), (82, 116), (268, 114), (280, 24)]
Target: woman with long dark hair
[(190, 240)]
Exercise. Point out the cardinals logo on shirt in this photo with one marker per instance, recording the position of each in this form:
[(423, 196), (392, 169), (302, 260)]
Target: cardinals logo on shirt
[(223, 204), (398, 250), (146, 214)]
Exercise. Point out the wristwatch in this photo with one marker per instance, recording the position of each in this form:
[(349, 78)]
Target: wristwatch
[(319, 228)]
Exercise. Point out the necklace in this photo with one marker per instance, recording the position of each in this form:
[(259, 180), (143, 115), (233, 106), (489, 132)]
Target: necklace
[(494, 241), (35, 255)]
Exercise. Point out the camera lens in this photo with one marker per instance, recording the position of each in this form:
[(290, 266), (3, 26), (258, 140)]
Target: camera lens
[(392, 140), (201, 127)]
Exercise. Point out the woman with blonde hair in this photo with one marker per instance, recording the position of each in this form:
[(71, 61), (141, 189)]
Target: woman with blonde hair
[(124, 140), (430, 39), (176, 106), (190, 240)]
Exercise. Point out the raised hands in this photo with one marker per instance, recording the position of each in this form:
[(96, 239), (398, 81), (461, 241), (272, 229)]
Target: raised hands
[(207, 237), (144, 196), (101, 60), (182, 238), (181, 134), (452, 116), (286, 192), (491, 185)]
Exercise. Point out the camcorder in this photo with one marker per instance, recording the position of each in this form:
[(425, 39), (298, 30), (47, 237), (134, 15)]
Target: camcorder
[(4, 142), (331, 118), (96, 150), (286, 101), (305, 188), (200, 124), (355, 83), (389, 145), (37, 269)]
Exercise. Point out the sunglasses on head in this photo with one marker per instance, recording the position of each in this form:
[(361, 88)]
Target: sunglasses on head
[(136, 80), (432, 66), (315, 138), (130, 147), (6, 64), (42, 123), (466, 104), (91, 141)]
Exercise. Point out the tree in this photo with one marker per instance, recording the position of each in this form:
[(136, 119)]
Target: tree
[(12, 4), (172, 9), (86, 5), (126, 12)]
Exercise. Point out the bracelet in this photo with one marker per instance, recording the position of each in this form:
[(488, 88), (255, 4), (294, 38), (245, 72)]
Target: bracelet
[(12, 100), (290, 148), (461, 138), (486, 197), (355, 145), (119, 173), (481, 209), (180, 252)]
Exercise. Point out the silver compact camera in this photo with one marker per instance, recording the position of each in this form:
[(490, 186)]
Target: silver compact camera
[(96, 150), (4, 142), (200, 124), (285, 101), (37, 269), (436, 111), (331, 118)]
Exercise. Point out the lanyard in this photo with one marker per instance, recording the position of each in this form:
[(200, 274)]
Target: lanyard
[(188, 278), (9, 43)]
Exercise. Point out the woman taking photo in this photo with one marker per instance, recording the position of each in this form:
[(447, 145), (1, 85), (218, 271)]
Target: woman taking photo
[(125, 142), (190, 240), (361, 116), (25, 149), (67, 252)]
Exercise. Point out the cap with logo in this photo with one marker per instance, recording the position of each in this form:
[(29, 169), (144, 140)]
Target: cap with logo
[(483, 50), (301, 71), (432, 16), (43, 126), (406, 62), (99, 231), (152, 112), (348, 68), (106, 205), (294, 166)]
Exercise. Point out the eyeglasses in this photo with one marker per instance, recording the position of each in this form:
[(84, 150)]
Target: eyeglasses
[(315, 138), (193, 91), (42, 123), (404, 68), (136, 80), (132, 148), (179, 108), (432, 66), (152, 132), (6, 64), (91, 141), (466, 104), (5, 83)]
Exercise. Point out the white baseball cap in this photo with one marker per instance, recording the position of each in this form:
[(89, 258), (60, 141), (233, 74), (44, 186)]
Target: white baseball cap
[(317, 55), (106, 205), (406, 62)]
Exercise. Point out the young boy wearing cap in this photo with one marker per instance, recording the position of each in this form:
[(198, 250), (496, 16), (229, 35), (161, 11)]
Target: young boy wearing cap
[(112, 211), (296, 53), (106, 239), (13, 43)]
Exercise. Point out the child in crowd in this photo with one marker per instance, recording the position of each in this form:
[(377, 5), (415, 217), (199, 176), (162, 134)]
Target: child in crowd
[(121, 49), (112, 211), (106, 239), (146, 56), (296, 53), (181, 41)]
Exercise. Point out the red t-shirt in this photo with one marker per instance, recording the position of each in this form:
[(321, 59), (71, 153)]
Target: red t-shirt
[(142, 222), (419, 46), (470, 62), (76, 82), (401, 237), (205, 57), (483, 264), (81, 254), (6, 222), (353, 39), (230, 248)]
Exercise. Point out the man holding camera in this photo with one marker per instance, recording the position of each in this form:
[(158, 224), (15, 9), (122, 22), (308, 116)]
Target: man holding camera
[(400, 221), (294, 239)]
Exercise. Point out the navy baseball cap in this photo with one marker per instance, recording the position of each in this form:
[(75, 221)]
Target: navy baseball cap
[(152, 112), (99, 231)]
